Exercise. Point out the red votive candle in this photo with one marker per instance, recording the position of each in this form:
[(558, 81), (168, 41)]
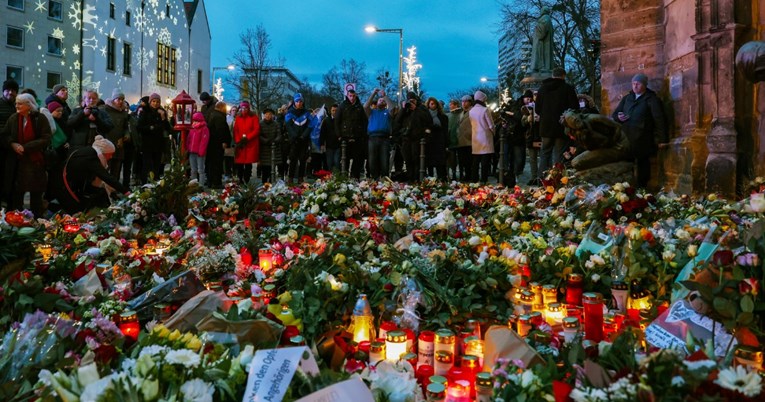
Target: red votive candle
[(593, 316), (574, 286)]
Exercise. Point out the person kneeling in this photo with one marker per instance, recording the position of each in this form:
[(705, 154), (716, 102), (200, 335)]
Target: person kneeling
[(86, 183)]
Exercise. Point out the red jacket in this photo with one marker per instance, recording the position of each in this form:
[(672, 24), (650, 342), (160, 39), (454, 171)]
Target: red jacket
[(247, 127), (199, 136)]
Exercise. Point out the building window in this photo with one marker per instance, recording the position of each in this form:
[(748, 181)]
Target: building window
[(127, 58), (15, 73), (199, 81), (55, 46), (111, 10), (16, 4), (127, 18), (111, 57), (165, 64), (167, 11), (55, 10), (52, 80), (15, 37)]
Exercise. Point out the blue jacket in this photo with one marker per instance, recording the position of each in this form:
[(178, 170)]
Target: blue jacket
[(379, 123), (298, 123)]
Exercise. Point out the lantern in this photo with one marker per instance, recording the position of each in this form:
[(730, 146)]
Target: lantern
[(619, 294), (162, 246), (129, 325), (184, 107), (555, 314), (640, 299), (395, 345), (593, 316), (46, 251), (265, 259), (362, 321)]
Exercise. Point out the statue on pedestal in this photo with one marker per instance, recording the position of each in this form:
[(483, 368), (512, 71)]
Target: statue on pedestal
[(542, 46)]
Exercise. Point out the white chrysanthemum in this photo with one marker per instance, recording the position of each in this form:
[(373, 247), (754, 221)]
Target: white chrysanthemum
[(741, 380), (197, 390), (185, 357), (94, 391), (678, 381)]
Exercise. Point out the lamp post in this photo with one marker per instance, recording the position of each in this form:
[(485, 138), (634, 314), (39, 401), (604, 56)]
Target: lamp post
[(400, 32), (229, 67)]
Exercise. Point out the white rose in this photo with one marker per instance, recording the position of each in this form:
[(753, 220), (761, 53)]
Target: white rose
[(315, 209)]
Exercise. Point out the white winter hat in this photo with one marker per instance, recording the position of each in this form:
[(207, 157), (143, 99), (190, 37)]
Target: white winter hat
[(102, 145), (479, 96)]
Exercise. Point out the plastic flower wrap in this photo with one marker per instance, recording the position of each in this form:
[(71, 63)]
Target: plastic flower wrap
[(408, 299), (394, 382)]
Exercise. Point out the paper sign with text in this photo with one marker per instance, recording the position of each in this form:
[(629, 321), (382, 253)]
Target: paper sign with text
[(348, 390), (271, 371)]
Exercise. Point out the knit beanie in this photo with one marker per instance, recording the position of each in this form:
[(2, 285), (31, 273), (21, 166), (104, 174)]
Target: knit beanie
[(53, 106), (154, 96), (479, 96), (117, 94), (640, 77), (102, 145)]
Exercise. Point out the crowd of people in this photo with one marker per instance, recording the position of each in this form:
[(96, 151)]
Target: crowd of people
[(78, 159)]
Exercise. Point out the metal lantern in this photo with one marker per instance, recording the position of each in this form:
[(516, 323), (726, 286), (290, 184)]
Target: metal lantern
[(184, 107)]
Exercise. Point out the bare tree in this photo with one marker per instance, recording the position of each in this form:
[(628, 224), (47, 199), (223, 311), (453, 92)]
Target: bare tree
[(385, 82), (576, 27), (349, 71), (258, 81)]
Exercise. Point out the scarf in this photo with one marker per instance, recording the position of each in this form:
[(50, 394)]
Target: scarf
[(434, 115), (26, 133)]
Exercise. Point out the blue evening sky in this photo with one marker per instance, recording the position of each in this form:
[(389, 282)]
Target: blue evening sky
[(456, 40)]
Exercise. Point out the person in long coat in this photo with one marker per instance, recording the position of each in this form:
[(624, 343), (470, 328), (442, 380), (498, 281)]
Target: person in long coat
[(436, 139), (26, 135), (85, 183), (220, 138), (270, 145), (246, 132)]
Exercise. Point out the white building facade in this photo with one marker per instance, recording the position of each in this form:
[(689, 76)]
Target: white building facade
[(137, 46)]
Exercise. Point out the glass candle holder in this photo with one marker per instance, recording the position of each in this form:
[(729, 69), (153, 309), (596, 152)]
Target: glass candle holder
[(549, 294), (395, 345), (524, 325), (459, 391), (571, 327), (555, 314), (129, 325), (425, 348), (436, 392), (445, 340), (376, 352), (749, 356), (593, 316), (574, 289), (619, 291), (444, 361), (484, 387)]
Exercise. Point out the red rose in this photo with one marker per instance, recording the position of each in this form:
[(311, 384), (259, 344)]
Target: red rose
[(749, 285), (388, 287), (105, 353), (723, 258)]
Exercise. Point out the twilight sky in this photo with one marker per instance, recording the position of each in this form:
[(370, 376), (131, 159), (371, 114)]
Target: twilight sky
[(456, 40)]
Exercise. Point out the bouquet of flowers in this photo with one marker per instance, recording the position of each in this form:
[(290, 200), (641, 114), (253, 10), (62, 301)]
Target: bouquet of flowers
[(211, 264)]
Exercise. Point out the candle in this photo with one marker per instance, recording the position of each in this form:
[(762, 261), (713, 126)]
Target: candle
[(445, 340), (483, 387), (71, 226), (749, 356), (425, 348), (610, 327), (549, 294), (527, 302), (444, 362), (362, 321), (593, 316), (570, 328), (640, 299), (423, 374), (524, 325), (45, 251), (436, 392), (395, 345), (265, 259), (619, 294), (554, 314), (385, 327), (459, 391), (539, 303), (376, 352), (129, 325), (475, 347)]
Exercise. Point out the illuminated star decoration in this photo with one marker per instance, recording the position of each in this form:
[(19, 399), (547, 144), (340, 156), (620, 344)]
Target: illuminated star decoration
[(76, 49), (58, 33), (30, 26), (91, 42), (40, 6), (76, 64), (103, 51)]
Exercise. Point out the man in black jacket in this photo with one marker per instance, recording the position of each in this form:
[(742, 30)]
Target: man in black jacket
[(555, 96), (220, 137), (642, 118), (351, 126), (88, 121), (411, 123)]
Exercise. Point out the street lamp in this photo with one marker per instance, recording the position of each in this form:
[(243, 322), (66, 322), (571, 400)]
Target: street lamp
[(400, 32), (229, 67)]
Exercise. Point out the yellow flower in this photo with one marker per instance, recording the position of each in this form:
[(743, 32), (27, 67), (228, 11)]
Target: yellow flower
[(339, 259), (564, 180), (174, 335), (525, 227), (194, 344), (162, 332)]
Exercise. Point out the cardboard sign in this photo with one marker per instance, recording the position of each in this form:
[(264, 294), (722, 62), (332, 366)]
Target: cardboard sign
[(271, 371), (670, 329), (348, 390)]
